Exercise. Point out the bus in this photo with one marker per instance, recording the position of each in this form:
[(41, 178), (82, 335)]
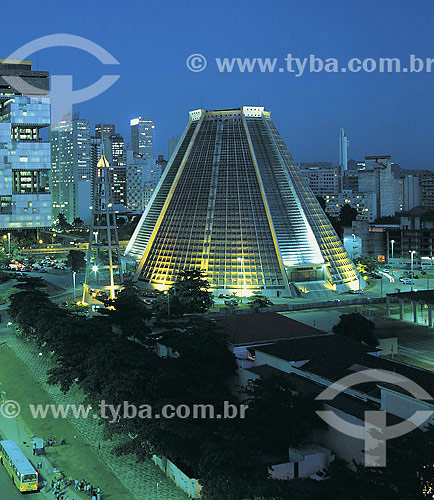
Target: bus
[(23, 475)]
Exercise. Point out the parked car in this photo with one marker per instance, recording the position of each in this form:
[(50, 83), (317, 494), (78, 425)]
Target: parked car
[(321, 475), (231, 302), (356, 292), (224, 296)]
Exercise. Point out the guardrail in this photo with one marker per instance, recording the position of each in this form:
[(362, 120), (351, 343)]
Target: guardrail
[(226, 311)]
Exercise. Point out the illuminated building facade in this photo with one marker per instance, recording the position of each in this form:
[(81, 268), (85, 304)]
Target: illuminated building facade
[(25, 196), (71, 164), (233, 203), (142, 137)]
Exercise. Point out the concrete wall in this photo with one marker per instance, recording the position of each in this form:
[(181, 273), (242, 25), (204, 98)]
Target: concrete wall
[(402, 405), (309, 464), (343, 446), (388, 346), (189, 485)]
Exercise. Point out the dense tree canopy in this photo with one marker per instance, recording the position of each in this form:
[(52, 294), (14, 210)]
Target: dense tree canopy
[(355, 326)]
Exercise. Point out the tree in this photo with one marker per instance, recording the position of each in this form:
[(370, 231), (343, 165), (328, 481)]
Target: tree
[(61, 223), (191, 288), (278, 415), (347, 215), (31, 283), (4, 259), (355, 326), (167, 305), (130, 314), (257, 301), (366, 264), (77, 223), (75, 260)]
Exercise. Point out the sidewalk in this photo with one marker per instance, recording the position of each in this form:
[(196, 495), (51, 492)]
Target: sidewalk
[(16, 430), (76, 459), (138, 480)]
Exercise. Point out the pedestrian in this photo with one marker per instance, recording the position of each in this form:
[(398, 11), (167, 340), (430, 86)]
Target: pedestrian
[(63, 441), (76, 484), (34, 448), (88, 488)]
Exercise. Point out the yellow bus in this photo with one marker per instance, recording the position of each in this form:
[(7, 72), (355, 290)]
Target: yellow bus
[(19, 468)]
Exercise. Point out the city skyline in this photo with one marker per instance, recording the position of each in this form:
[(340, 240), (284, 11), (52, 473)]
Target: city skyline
[(376, 109)]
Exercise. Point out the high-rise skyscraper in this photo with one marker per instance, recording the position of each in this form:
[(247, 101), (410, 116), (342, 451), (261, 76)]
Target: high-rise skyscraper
[(142, 137), (143, 176), (343, 149), (25, 198), (233, 203), (71, 163), (377, 177), (105, 128)]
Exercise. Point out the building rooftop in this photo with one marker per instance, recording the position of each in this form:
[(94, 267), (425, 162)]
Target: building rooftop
[(349, 404), (260, 328), (328, 346)]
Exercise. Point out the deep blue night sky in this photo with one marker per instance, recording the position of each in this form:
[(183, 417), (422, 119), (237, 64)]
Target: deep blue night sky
[(382, 113)]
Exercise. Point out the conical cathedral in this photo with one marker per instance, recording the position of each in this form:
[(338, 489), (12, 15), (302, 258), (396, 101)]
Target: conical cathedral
[(233, 203)]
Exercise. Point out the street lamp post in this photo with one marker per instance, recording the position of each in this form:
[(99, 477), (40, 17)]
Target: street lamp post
[(9, 244), (392, 242), (73, 282), (412, 252)]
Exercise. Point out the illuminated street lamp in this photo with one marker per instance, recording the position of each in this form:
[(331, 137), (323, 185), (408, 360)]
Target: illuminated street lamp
[(73, 281), (8, 236), (392, 242), (95, 269)]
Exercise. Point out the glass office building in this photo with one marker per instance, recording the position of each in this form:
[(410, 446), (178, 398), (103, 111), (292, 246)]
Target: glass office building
[(142, 137), (233, 203), (25, 199), (71, 163)]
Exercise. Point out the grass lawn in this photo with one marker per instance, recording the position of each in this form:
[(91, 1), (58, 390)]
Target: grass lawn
[(77, 458)]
